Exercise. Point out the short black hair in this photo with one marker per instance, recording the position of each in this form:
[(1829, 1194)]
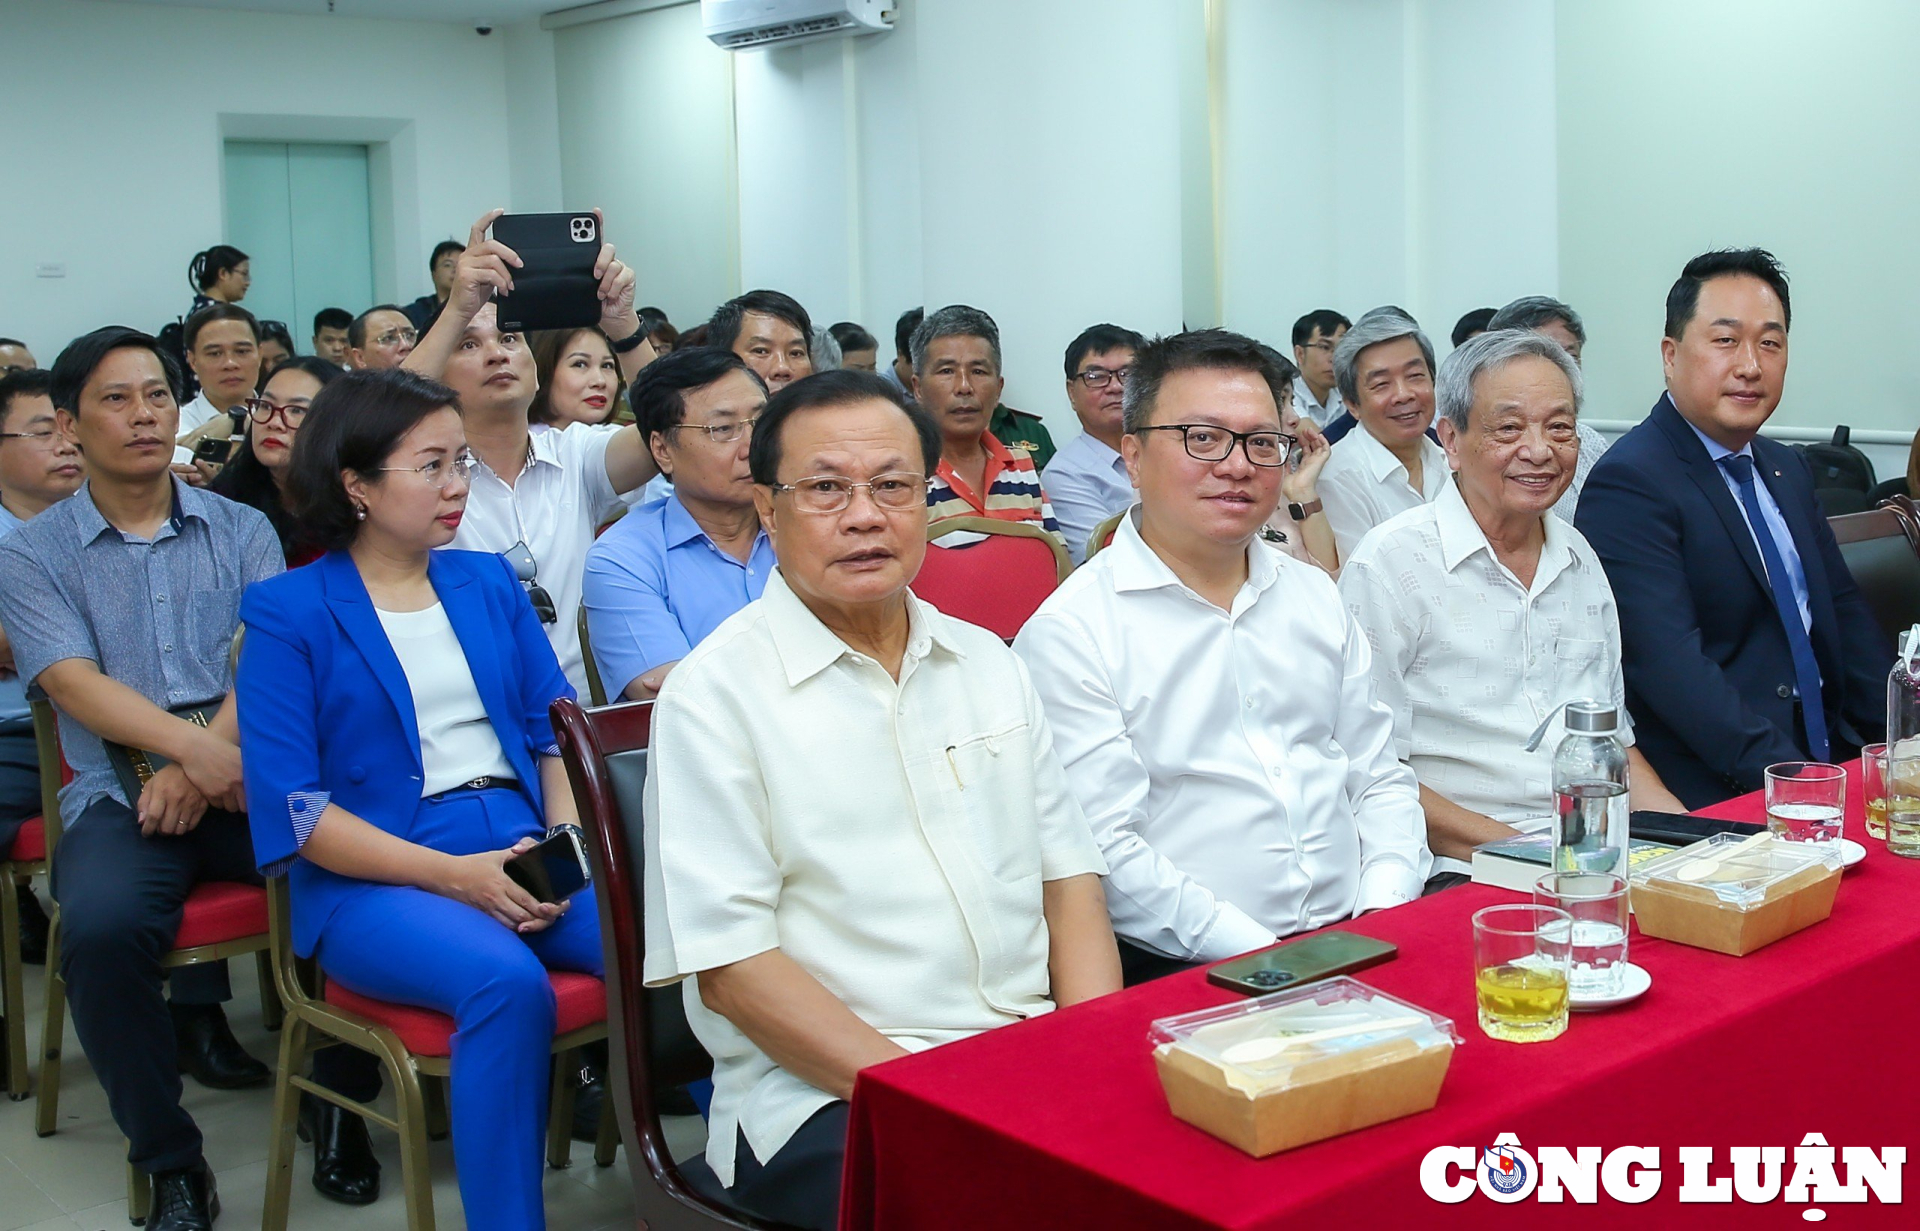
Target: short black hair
[(25, 383), (1471, 323), (323, 370), (903, 330), (840, 387), (354, 424), (331, 318), (724, 328), (1098, 340), (82, 356), (357, 327), (1326, 320), (1215, 349), (13, 342), (1754, 262), (276, 331), (658, 396), (190, 332), (441, 249), (851, 336), (206, 267)]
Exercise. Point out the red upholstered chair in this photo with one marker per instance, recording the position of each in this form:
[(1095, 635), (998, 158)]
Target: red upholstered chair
[(26, 859), (605, 750), (997, 582)]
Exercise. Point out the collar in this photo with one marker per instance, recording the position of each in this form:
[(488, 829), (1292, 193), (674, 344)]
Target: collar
[(188, 502), (1716, 450), (1380, 461), (543, 449), (1136, 566), (1461, 538), (679, 527), (807, 647), (998, 459)]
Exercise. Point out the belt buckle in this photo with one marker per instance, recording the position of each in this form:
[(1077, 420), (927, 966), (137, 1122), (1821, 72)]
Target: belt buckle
[(479, 784)]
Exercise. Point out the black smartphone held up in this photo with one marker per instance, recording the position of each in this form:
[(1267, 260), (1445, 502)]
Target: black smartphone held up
[(556, 868), (554, 288), (214, 450), (1301, 961)]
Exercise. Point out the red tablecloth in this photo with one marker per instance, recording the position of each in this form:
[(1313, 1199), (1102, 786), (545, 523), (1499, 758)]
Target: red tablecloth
[(1060, 1122)]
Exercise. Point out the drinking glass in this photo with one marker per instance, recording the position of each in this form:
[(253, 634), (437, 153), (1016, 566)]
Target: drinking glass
[(1873, 772), (1805, 801), (1597, 903), (1520, 971)]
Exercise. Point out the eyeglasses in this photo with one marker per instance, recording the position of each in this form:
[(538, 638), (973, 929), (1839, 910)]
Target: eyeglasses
[(261, 411), (437, 471), (43, 439), (722, 433), (527, 569), (830, 494), (393, 337), (1099, 378), (1323, 344), (1207, 443)]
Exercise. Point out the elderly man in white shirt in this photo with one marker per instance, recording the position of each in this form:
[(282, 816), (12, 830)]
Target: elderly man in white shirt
[(1211, 698), (1086, 480), (1387, 464), (1551, 318), (859, 840), (1485, 614)]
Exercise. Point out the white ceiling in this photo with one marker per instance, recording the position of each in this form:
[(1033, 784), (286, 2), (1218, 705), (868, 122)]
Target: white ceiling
[(465, 12)]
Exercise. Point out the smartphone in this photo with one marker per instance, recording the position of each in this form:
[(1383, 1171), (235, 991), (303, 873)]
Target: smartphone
[(1301, 961), (1682, 828), (214, 450), (555, 287), (554, 869)]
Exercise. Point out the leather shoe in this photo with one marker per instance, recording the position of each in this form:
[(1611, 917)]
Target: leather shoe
[(344, 1168), (589, 1096), (184, 1200), (209, 1051), (33, 929)]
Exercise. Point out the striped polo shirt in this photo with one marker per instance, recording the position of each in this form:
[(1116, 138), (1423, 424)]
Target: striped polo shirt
[(1013, 493)]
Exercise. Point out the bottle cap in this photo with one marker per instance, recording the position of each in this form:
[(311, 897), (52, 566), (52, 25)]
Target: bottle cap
[(1592, 717)]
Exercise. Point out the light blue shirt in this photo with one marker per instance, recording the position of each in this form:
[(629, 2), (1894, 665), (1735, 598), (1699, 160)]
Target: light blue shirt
[(1770, 511), (13, 689), (1086, 482), (656, 585)]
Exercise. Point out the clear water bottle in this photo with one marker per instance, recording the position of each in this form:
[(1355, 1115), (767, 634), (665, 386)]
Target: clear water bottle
[(1590, 792), (1900, 823)]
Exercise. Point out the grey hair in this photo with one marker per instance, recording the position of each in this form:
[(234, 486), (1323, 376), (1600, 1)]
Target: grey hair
[(1489, 352), (953, 321), (1377, 326), (824, 351), (1533, 311)]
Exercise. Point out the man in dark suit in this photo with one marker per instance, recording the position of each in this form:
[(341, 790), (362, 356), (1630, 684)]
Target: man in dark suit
[(1735, 605)]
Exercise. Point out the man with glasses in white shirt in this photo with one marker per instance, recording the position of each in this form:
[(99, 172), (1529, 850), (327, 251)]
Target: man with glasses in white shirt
[(1211, 698), (1086, 480), (1316, 395)]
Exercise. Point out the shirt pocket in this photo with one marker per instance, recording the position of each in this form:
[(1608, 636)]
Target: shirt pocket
[(994, 773), (212, 616), (1585, 669)]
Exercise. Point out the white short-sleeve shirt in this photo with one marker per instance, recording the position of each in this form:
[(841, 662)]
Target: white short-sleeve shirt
[(560, 498), (1471, 661), (1363, 484), (891, 838)]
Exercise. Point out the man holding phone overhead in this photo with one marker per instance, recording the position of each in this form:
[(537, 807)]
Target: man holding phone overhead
[(536, 498)]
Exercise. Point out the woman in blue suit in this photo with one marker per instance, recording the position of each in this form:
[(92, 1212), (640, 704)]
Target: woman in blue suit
[(393, 717)]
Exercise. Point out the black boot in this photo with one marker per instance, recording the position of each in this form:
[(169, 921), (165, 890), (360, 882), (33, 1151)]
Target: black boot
[(209, 1051), (184, 1200), (344, 1168), (33, 928)]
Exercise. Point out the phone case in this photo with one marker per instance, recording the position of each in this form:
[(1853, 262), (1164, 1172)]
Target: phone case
[(554, 288), (1301, 961)]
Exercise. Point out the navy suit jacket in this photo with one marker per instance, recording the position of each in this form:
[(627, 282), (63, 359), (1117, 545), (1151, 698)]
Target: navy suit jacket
[(326, 714), (1708, 670)]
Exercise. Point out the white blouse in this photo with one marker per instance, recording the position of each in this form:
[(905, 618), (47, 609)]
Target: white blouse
[(457, 742)]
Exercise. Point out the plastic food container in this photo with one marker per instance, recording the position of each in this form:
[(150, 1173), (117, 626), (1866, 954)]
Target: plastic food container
[(1712, 896), (1312, 1062)]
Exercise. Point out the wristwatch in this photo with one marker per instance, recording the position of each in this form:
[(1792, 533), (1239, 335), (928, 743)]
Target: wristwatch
[(1300, 512), (631, 342)]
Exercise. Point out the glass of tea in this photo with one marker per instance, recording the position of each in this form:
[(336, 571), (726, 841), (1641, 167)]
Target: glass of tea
[(1873, 775), (1521, 968), (1805, 801)]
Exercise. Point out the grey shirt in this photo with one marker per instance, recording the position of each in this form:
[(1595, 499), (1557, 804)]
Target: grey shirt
[(157, 615)]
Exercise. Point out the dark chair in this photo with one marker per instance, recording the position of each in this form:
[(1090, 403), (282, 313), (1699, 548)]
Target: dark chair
[(1886, 489), (654, 1049), (1882, 551)]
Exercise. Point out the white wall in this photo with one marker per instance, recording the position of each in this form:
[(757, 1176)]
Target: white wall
[(125, 144)]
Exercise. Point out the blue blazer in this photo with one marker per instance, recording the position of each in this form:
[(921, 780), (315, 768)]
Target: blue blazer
[(326, 714), (1708, 671)]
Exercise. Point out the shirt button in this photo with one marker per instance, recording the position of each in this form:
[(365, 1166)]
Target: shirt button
[(1249, 702), (1783, 692), (169, 647), (160, 598)]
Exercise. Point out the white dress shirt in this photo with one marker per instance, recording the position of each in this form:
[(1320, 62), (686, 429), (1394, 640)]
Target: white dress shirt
[(891, 838), (1592, 445), (1236, 768), (1470, 661), (1363, 484), (559, 499), (1305, 406), (1087, 483), (457, 741)]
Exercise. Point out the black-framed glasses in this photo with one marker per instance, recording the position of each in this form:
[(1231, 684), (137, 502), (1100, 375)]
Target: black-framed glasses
[(1325, 344), (1206, 443), (527, 569), (826, 493), (721, 433), (1100, 378), (437, 471), (261, 411)]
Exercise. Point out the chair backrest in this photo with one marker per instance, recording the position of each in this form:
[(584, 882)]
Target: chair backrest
[(1102, 536), (596, 691), (998, 581), (1879, 548), (605, 750)]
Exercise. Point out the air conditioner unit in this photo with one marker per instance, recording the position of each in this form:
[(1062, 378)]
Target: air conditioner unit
[(738, 25)]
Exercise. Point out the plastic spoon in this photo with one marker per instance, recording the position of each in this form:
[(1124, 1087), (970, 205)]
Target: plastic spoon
[(1705, 866)]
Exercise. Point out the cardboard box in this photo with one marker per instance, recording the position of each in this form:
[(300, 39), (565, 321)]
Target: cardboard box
[(1695, 915), (1323, 1099)]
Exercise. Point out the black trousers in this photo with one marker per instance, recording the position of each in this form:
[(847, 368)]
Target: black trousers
[(800, 1184), (121, 895), (19, 785), (1139, 965)]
